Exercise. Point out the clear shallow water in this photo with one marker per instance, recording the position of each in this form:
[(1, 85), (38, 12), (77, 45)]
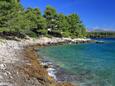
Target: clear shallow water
[(86, 64)]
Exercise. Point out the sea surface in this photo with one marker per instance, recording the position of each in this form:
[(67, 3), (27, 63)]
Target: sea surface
[(88, 64)]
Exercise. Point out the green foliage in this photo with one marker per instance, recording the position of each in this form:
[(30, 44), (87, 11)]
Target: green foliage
[(66, 34), (51, 18), (9, 14), (19, 24), (76, 27), (42, 25), (31, 34), (62, 23), (50, 12), (13, 18), (37, 22)]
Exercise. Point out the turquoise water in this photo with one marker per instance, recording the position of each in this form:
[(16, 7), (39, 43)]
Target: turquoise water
[(90, 64)]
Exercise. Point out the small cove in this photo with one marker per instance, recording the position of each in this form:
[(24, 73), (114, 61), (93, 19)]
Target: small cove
[(86, 64)]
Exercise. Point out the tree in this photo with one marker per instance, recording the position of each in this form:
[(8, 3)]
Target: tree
[(50, 12), (13, 18), (41, 26), (76, 26), (38, 23), (19, 24), (63, 25), (31, 15), (51, 17), (83, 31), (8, 11)]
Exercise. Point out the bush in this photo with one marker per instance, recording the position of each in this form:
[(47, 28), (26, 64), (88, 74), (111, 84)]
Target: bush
[(31, 34), (66, 34), (55, 33)]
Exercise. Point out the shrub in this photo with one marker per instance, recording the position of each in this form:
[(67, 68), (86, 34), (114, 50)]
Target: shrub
[(31, 34)]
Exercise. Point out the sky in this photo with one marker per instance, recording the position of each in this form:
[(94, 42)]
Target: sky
[(95, 14)]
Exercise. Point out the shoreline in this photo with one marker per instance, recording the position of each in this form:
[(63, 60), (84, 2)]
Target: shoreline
[(23, 65), (35, 61), (52, 68), (34, 57)]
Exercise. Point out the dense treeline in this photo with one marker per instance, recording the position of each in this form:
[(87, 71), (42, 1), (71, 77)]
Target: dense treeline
[(15, 19), (101, 34)]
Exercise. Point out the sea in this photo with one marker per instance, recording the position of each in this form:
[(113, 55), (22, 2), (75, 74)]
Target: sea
[(88, 64)]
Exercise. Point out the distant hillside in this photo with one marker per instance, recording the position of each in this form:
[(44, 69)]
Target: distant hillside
[(101, 34), (102, 30)]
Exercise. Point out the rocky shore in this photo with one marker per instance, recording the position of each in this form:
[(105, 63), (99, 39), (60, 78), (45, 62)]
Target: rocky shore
[(20, 65)]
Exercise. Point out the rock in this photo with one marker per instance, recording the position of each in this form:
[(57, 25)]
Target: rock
[(13, 59)]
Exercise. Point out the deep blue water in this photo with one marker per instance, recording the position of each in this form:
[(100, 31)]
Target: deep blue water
[(91, 64)]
